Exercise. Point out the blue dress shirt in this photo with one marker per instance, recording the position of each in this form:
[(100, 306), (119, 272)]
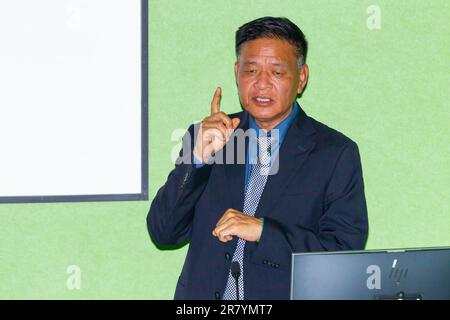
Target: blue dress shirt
[(282, 128)]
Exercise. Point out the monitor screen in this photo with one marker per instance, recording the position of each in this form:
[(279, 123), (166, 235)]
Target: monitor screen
[(414, 274)]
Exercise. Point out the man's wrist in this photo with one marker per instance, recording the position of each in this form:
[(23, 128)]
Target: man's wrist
[(262, 228), (196, 162)]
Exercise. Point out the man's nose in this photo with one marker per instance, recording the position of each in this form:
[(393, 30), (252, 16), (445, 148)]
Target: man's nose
[(263, 81)]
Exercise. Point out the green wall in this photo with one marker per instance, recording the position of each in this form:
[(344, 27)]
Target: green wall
[(387, 89)]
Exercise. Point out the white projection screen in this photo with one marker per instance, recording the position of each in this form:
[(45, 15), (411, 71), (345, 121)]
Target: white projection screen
[(73, 100)]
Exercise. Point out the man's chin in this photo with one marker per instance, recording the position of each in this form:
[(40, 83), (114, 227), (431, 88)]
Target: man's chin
[(261, 113), (265, 117), (263, 120)]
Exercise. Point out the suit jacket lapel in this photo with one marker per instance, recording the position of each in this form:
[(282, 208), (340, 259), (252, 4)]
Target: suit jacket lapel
[(235, 172), (299, 141)]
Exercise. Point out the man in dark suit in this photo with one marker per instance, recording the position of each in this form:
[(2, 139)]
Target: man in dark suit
[(294, 185)]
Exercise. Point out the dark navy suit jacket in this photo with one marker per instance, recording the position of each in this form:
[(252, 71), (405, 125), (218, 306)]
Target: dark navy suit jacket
[(315, 202)]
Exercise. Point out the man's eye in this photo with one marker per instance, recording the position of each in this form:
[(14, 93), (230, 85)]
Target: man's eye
[(277, 73), (251, 71)]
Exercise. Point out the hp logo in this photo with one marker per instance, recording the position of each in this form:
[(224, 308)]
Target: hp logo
[(374, 279)]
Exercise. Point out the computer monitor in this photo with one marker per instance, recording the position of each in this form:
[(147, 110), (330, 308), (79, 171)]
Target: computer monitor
[(400, 274)]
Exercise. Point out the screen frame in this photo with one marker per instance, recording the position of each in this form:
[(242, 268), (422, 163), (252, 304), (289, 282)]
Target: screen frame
[(143, 195)]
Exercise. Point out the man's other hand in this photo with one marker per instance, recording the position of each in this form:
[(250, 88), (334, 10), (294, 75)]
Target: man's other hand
[(236, 223)]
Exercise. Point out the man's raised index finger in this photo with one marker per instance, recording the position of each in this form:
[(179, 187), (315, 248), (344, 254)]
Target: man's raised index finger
[(215, 103)]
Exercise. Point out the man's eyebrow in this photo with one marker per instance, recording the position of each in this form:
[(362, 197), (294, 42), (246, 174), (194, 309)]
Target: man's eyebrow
[(276, 64)]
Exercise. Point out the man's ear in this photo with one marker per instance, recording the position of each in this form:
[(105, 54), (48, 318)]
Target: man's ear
[(303, 78), (235, 70)]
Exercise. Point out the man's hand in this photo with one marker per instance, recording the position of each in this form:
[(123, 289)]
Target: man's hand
[(236, 223), (215, 130)]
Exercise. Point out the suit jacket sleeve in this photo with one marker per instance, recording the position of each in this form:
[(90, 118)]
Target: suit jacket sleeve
[(342, 226), (171, 213)]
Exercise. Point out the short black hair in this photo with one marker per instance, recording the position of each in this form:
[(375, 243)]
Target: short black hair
[(274, 28)]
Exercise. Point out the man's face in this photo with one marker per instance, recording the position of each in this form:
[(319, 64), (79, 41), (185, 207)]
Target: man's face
[(269, 79)]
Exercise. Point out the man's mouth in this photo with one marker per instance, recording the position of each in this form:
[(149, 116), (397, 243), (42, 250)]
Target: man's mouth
[(262, 101)]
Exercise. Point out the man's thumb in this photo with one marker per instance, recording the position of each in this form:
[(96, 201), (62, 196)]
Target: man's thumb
[(235, 122)]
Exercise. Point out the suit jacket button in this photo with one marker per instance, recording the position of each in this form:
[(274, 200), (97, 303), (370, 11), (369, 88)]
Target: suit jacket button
[(265, 261), (227, 256), (217, 295)]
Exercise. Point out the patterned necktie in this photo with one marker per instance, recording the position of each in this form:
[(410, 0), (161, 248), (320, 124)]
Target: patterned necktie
[(255, 187)]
